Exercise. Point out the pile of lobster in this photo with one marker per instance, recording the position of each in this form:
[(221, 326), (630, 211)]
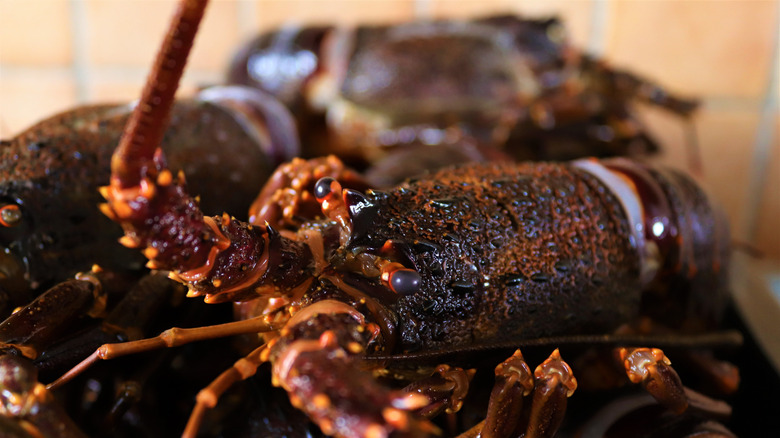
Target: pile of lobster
[(398, 256)]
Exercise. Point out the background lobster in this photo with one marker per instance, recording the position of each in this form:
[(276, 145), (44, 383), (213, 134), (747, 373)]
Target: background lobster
[(500, 82)]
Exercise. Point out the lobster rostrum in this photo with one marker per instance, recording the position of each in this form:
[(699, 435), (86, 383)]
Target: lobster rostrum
[(475, 256), (466, 87)]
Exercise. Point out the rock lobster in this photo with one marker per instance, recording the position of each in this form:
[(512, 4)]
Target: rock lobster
[(467, 87), (50, 173), (343, 281)]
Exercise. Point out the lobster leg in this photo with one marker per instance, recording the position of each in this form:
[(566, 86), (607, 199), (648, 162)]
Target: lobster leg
[(445, 390), (31, 405), (720, 377), (513, 382), (316, 360), (170, 338), (207, 398), (618, 83), (31, 329), (653, 370), (553, 383), (639, 415), (127, 320)]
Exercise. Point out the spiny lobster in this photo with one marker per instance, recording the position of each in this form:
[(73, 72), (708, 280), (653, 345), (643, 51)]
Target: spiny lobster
[(474, 257), (469, 87), (50, 227)]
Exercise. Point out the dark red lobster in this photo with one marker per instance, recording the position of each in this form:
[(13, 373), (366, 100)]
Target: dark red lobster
[(50, 228), (468, 88), (342, 283)]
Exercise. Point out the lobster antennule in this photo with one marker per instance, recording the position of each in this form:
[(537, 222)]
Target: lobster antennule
[(144, 131)]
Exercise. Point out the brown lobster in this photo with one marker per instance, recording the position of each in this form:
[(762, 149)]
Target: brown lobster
[(469, 88), (50, 227), (469, 258)]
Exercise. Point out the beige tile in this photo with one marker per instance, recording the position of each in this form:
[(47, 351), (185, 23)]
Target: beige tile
[(35, 32), (124, 33), (715, 48), (29, 96), (274, 13), (218, 37), (113, 86), (128, 33), (725, 141), (767, 231), (470, 8)]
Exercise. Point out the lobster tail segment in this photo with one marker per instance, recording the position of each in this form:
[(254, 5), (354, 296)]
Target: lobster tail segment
[(681, 236)]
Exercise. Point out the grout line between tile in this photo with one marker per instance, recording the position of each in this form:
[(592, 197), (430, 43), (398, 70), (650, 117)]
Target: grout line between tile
[(20, 70), (762, 146), (98, 73), (423, 9), (247, 13), (79, 41), (600, 20), (733, 103)]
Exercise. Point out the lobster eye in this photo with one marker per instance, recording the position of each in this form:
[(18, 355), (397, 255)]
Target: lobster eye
[(324, 187), (10, 215), (405, 281)]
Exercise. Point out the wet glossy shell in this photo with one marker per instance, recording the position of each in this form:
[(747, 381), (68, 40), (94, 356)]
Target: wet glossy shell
[(509, 252)]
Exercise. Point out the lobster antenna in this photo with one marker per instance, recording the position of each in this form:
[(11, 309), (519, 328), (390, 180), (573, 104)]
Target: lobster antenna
[(149, 120)]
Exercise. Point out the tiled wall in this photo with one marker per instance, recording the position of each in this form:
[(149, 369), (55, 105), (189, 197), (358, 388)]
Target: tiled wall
[(57, 53)]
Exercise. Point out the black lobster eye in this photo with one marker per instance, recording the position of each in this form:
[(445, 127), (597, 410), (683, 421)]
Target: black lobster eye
[(323, 188), (10, 215), (405, 281)]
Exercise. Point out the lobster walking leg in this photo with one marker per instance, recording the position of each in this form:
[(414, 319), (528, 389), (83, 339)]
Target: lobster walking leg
[(35, 326), (513, 382), (652, 369), (170, 338), (553, 383), (29, 404), (640, 415), (445, 390), (721, 375), (243, 369)]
